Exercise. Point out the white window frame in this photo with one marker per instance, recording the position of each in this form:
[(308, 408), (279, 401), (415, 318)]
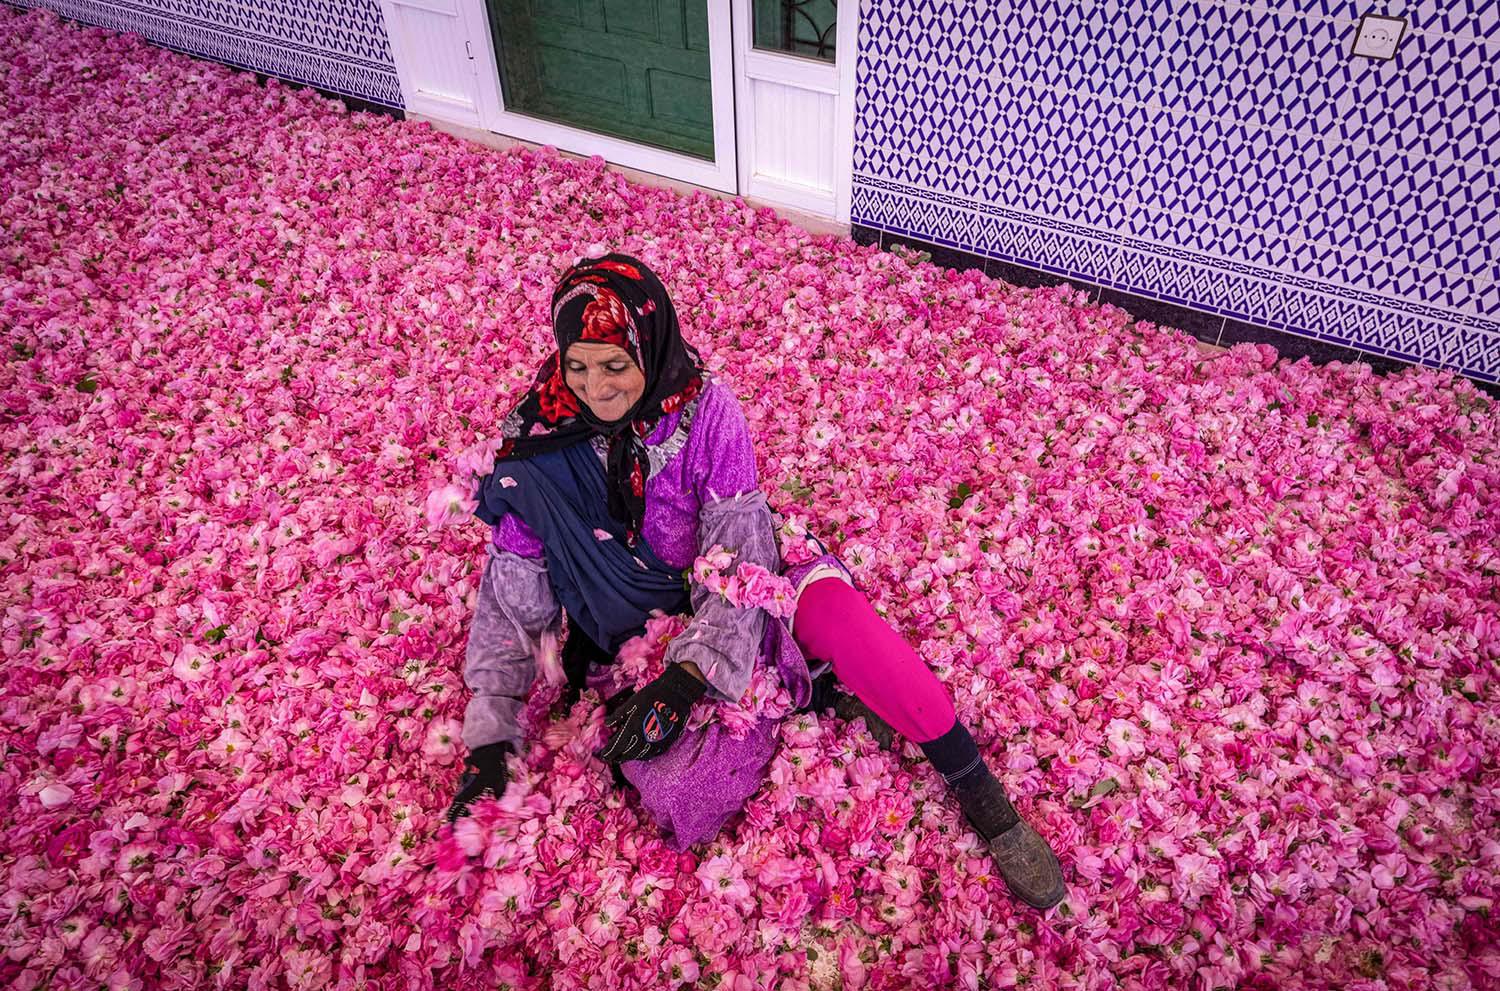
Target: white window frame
[(720, 174), (445, 59)]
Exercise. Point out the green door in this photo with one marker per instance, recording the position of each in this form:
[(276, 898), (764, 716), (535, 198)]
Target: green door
[(632, 69)]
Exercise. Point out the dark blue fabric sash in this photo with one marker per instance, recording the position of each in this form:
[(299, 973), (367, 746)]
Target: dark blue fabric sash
[(607, 588)]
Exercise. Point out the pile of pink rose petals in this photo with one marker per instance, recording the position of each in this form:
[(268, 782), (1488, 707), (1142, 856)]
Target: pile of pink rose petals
[(1228, 627)]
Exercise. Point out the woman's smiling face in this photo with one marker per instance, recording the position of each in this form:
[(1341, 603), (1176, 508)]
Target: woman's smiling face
[(604, 377)]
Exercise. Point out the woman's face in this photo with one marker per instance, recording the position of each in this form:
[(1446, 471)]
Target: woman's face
[(605, 377)]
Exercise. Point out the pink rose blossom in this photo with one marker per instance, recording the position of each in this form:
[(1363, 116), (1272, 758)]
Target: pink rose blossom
[(450, 504)]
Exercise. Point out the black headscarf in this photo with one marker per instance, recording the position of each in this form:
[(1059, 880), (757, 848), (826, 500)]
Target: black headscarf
[(615, 300)]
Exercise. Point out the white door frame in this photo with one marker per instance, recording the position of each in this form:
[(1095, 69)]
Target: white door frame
[(721, 174), (815, 176)]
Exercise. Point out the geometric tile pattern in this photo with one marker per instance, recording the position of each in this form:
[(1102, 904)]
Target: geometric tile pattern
[(336, 45), (1229, 157)]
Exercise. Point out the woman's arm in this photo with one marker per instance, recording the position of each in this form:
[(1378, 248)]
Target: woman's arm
[(516, 607), (723, 641)]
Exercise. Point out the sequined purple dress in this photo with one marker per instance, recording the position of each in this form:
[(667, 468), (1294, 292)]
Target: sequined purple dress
[(701, 491)]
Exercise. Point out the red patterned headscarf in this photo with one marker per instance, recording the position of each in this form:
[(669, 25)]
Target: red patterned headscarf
[(613, 300)]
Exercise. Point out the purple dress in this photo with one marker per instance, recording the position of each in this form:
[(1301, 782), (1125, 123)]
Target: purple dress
[(701, 490)]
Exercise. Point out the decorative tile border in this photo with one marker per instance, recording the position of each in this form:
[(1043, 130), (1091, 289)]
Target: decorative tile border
[(1340, 316), (1207, 327), (339, 46)]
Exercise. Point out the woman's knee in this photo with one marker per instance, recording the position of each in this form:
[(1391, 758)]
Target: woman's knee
[(823, 610)]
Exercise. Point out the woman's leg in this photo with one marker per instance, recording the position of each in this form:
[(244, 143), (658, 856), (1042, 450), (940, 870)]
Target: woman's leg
[(836, 623)]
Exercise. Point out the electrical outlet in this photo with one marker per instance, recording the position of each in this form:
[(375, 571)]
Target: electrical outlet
[(1378, 36)]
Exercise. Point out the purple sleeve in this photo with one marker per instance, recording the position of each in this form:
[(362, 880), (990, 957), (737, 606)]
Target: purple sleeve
[(516, 609), (721, 456), (513, 535), (724, 640)]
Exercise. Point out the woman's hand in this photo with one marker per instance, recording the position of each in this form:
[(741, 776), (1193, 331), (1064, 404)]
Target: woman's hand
[(485, 775), (652, 719)]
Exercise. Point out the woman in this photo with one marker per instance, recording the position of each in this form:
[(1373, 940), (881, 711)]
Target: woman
[(622, 465)]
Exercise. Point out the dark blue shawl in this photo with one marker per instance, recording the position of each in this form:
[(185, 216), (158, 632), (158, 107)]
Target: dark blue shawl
[(607, 588)]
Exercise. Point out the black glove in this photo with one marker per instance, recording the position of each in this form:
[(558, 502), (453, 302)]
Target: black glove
[(652, 719), (485, 774)]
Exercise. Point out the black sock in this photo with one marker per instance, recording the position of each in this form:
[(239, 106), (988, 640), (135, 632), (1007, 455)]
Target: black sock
[(979, 792), (954, 754)]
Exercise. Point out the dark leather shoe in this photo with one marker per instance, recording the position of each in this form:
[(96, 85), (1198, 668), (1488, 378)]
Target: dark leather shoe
[(1029, 866)]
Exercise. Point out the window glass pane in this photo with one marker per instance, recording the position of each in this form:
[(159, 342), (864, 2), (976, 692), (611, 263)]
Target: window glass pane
[(800, 27), (631, 69)]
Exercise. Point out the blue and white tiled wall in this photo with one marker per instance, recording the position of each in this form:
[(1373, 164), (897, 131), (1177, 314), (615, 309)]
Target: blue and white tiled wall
[(336, 45), (1229, 157)]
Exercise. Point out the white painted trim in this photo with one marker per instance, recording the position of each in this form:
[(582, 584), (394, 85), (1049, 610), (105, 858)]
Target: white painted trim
[(486, 63), (843, 143), (720, 174), (809, 199), (793, 70), (744, 134)]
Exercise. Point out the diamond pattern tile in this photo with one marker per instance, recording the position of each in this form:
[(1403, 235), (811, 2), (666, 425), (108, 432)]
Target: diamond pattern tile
[(336, 45), (1231, 157)]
